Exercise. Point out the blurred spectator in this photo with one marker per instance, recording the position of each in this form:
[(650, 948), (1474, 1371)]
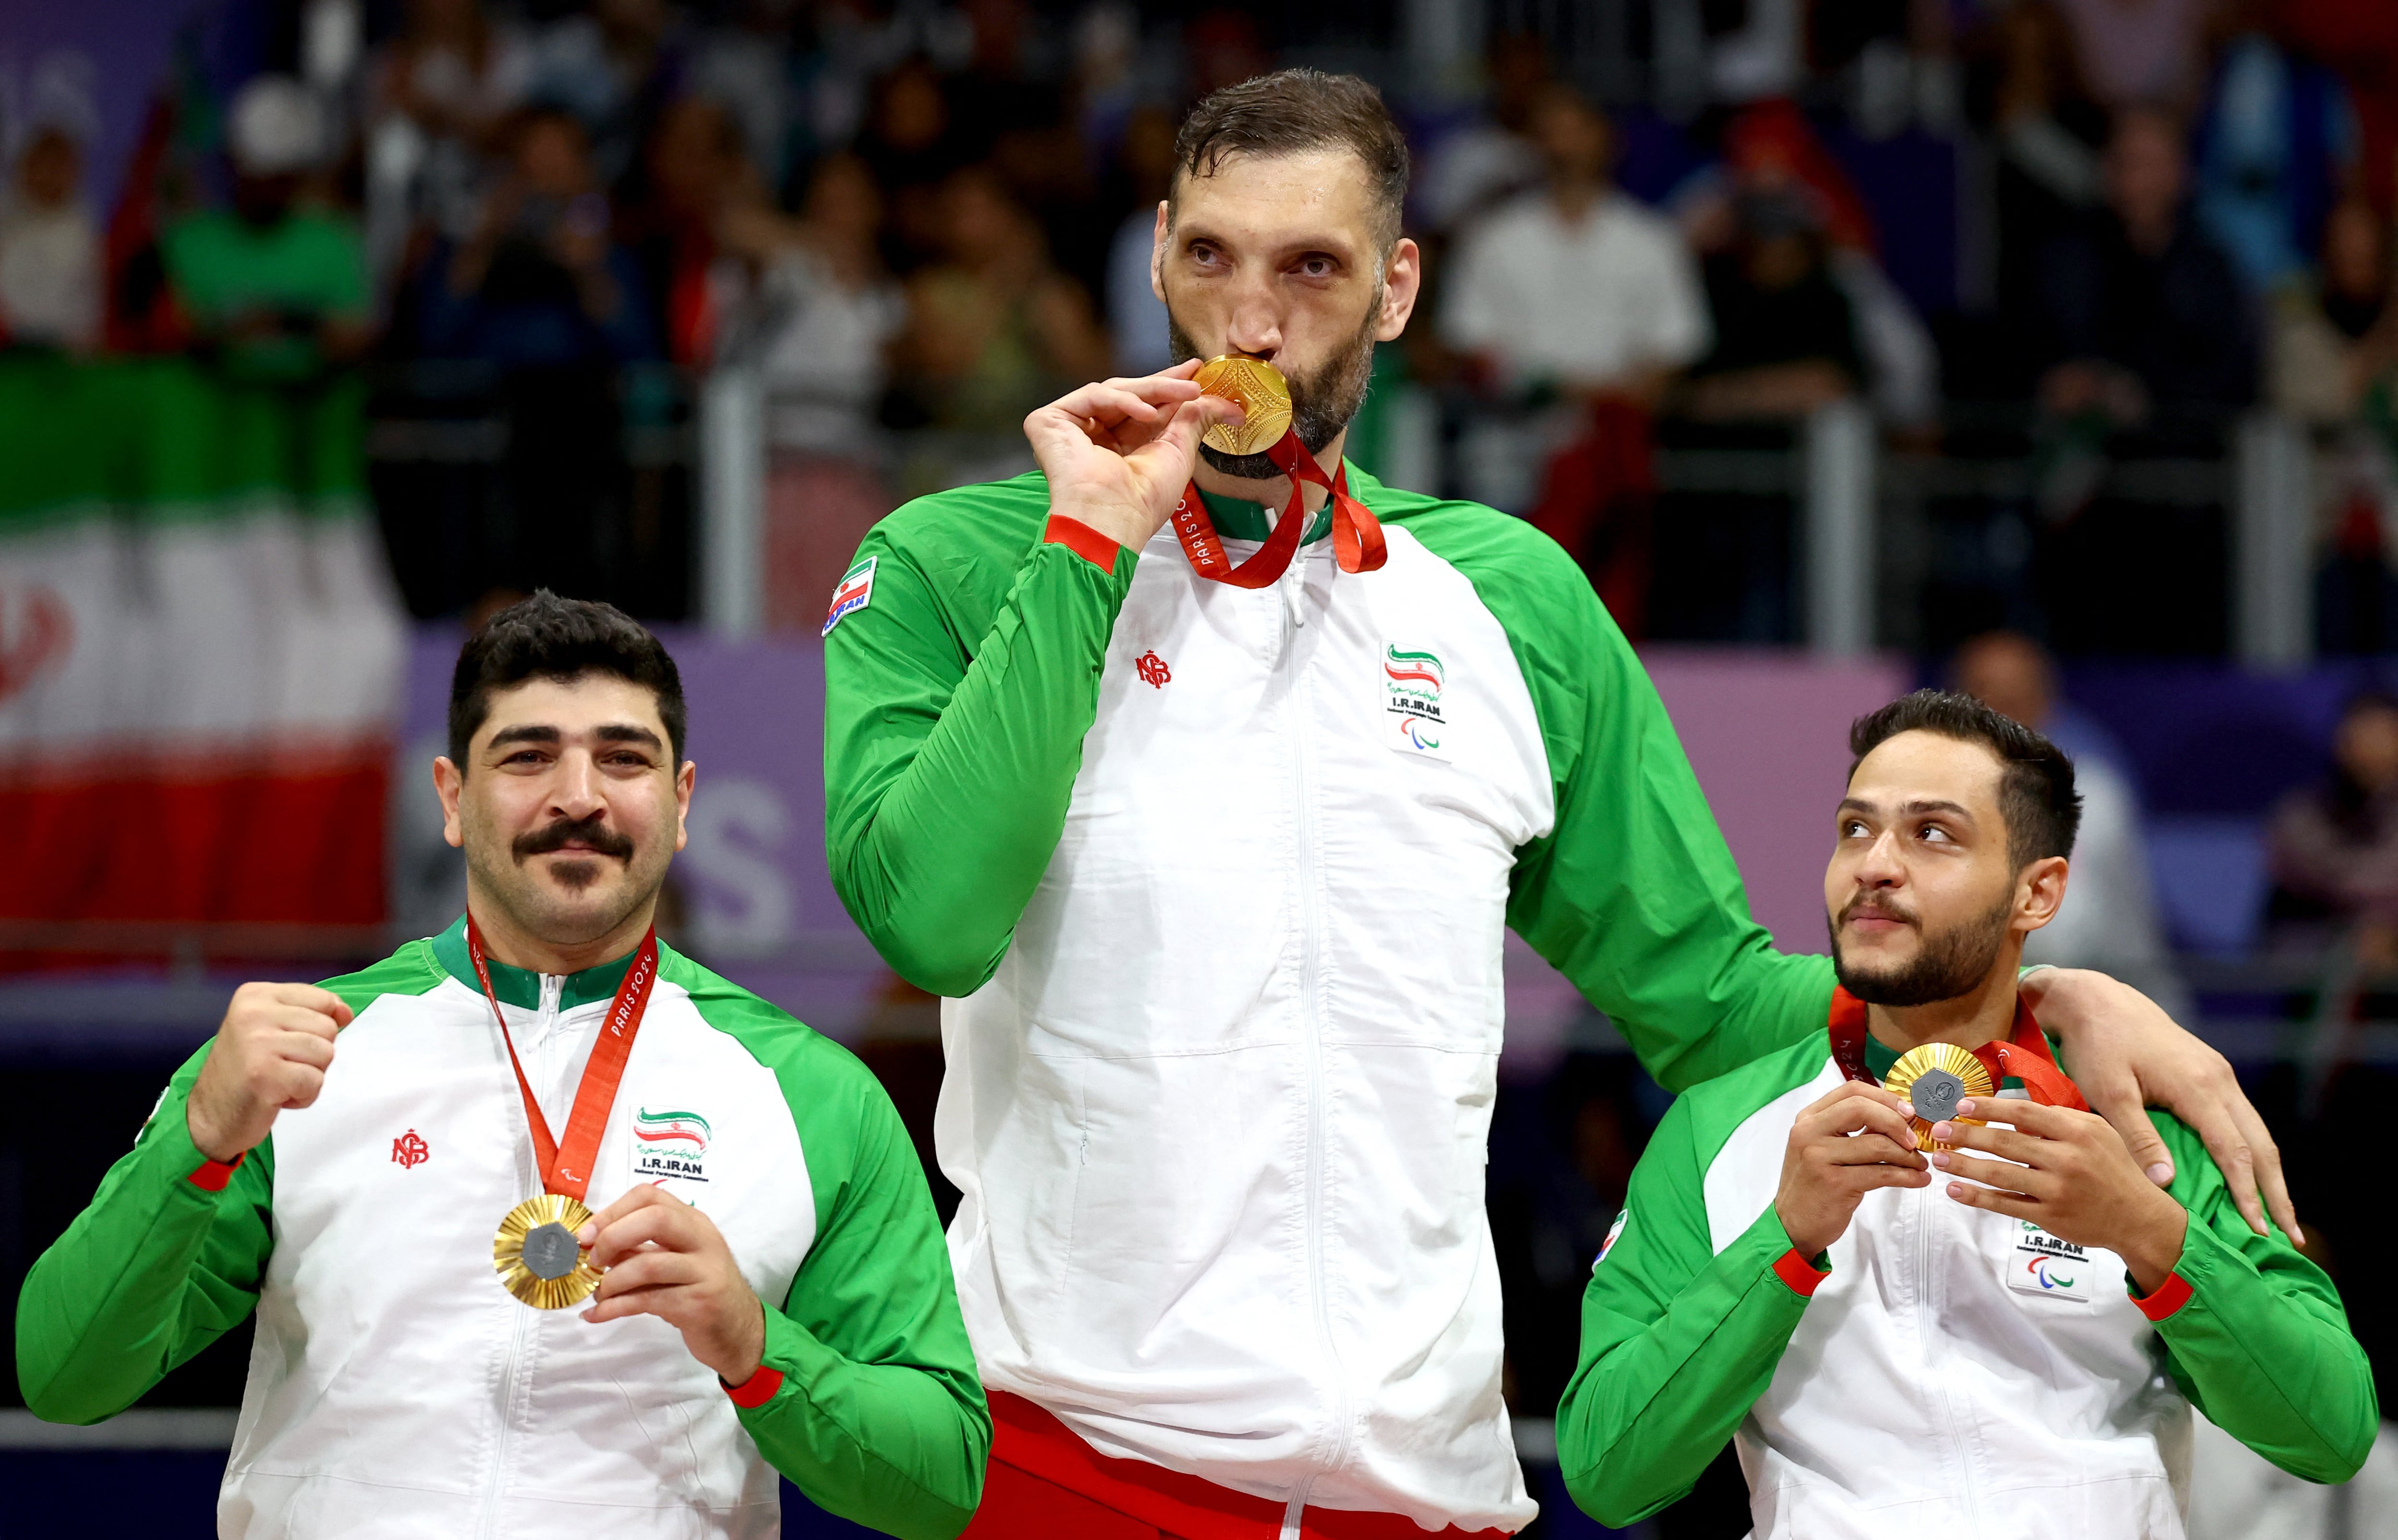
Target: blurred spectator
[(2109, 919), (2332, 848), (1577, 286), (50, 249), (748, 69), (539, 285), (436, 95), (1785, 336), (2141, 311), (908, 148), (271, 290), (1135, 315), (2334, 339), (1485, 162), (615, 69), (1775, 166), (1580, 293), (995, 330), (693, 171), (543, 297), (2139, 53), (822, 316), (2274, 146), (2049, 136)]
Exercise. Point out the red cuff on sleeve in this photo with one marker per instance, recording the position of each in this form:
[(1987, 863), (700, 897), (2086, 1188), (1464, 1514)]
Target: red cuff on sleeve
[(213, 1176), (2171, 1295), (1797, 1272), (1083, 541), (755, 1391)]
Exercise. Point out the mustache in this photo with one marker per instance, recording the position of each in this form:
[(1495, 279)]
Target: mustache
[(592, 831), (1866, 903)]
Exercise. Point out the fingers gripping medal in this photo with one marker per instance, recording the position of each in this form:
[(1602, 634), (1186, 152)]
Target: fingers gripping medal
[(1263, 394), (535, 1252), (1933, 1079)]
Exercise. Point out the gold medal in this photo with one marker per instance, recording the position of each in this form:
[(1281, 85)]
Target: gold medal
[(536, 1255), (1933, 1079), (1262, 392)]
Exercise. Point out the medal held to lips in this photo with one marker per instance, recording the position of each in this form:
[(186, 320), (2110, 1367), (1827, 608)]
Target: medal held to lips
[(1933, 1079), (1261, 391), (536, 1255)]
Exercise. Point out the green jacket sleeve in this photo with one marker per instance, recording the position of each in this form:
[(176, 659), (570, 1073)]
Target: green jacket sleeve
[(154, 1269), (2255, 1334), (1633, 894), (1676, 1341), (954, 719), (873, 1409)]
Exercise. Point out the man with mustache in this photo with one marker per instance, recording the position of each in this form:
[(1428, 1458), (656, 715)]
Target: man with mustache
[(1215, 866), (1970, 1342), (770, 1291)]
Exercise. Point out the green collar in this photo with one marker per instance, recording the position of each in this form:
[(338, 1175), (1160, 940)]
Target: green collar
[(520, 987), (1238, 519)]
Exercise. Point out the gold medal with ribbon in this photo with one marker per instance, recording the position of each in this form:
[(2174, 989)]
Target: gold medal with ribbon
[(536, 1252), (1262, 392), (1935, 1077)]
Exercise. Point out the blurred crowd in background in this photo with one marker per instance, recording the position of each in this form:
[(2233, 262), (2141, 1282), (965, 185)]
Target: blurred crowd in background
[(2067, 234)]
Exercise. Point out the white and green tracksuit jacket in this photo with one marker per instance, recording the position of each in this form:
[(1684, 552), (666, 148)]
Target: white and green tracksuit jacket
[(1944, 1370), (1219, 880), (397, 1389)]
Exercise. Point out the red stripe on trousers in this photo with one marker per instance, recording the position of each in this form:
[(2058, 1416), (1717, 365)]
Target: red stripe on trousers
[(1044, 1481)]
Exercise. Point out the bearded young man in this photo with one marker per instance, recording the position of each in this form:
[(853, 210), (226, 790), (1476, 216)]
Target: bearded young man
[(771, 1291), (1217, 875), (1979, 1357)]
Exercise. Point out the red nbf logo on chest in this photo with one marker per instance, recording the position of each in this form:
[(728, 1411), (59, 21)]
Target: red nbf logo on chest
[(410, 1151), (1152, 669)]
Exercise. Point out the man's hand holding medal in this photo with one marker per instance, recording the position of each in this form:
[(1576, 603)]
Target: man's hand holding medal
[(2070, 1173)]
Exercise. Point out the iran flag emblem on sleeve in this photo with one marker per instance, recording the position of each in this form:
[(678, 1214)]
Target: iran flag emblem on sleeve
[(856, 591)]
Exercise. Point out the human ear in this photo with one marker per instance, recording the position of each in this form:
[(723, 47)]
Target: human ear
[(1402, 281), (2040, 890), (1157, 252), (448, 783)]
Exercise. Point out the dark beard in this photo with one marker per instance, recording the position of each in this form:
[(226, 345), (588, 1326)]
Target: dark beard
[(1322, 403), (1952, 963)]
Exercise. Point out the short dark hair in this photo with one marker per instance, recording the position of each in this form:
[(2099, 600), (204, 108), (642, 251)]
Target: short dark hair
[(2036, 795), (549, 637), (1291, 111)]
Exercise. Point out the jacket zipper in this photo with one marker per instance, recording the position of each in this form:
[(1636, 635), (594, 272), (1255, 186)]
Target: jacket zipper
[(1311, 947), (553, 988), (1924, 1335)]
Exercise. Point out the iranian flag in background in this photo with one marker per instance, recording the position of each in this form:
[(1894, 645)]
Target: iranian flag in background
[(199, 655)]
